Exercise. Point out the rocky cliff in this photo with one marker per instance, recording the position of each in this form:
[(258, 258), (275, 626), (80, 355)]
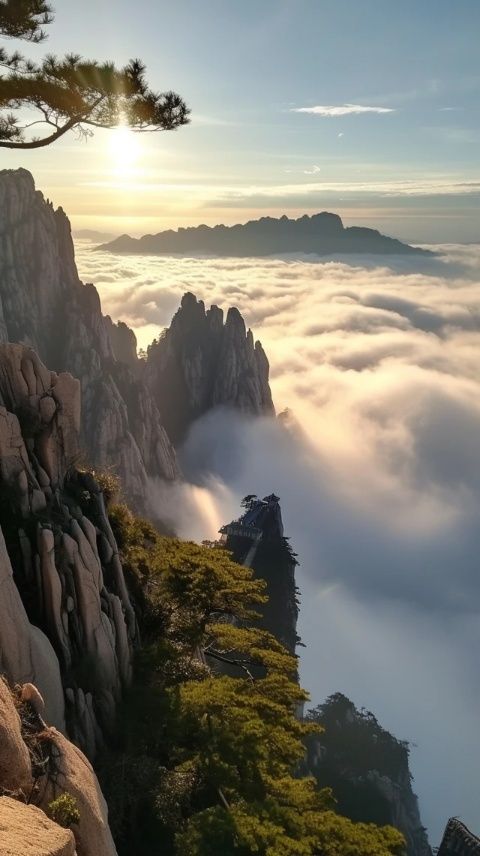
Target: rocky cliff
[(43, 304), (367, 768), (131, 411), (257, 540), (322, 233), (201, 362), (66, 621), (38, 765)]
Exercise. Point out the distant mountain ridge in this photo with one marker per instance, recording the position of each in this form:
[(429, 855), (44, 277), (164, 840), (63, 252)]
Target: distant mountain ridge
[(322, 233)]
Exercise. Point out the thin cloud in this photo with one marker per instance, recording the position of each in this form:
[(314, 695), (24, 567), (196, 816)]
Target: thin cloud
[(341, 110)]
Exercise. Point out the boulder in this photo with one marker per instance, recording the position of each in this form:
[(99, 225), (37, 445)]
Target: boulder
[(76, 777), (26, 831)]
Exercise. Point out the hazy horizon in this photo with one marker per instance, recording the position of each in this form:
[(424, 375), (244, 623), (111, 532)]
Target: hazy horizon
[(296, 107), (347, 221)]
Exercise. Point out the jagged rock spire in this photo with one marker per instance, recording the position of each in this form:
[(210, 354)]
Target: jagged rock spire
[(201, 362)]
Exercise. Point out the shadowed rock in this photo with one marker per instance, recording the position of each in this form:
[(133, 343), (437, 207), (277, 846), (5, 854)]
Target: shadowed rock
[(200, 362), (323, 234)]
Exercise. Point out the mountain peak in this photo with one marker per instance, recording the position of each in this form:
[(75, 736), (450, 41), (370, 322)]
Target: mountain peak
[(201, 362)]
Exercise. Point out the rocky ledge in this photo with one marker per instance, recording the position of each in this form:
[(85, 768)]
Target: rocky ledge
[(38, 765)]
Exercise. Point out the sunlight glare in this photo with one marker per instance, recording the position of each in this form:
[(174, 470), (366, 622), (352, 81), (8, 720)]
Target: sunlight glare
[(124, 150)]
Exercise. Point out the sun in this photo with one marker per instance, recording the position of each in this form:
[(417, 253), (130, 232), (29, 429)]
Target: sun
[(124, 150)]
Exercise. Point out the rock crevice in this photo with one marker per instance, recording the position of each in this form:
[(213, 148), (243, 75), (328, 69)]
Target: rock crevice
[(66, 620)]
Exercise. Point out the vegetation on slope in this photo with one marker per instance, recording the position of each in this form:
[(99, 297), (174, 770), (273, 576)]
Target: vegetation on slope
[(208, 741)]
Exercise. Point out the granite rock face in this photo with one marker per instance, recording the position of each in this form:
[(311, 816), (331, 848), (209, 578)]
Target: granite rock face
[(43, 304), (43, 836), (201, 362), (66, 621), (257, 540), (37, 765)]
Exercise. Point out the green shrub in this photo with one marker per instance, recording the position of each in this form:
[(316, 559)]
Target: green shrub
[(64, 810), (109, 484)]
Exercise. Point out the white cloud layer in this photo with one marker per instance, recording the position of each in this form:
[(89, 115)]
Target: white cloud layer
[(332, 110), (379, 478)]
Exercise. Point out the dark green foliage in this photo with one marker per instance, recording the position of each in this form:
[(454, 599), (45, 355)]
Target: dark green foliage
[(72, 92), (355, 746), (24, 19), (360, 738), (204, 762)]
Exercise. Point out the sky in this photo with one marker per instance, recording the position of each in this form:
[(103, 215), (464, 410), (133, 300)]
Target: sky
[(368, 109), (378, 475)]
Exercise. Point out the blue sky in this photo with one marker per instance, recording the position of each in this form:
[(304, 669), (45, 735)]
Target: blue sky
[(245, 68)]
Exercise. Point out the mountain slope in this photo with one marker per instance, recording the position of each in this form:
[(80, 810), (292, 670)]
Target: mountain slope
[(323, 234), (44, 304)]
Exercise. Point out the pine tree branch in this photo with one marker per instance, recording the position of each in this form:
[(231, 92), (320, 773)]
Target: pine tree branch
[(240, 664), (45, 141)]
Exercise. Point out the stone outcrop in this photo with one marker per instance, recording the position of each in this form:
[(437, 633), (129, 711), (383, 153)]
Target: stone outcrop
[(124, 344), (15, 764), (37, 765), (257, 540), (74, 775), (200, 363), (367, 769), (43, 304), (25, 830), (66, 621)]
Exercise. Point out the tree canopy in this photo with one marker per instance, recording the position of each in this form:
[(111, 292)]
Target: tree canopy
[(210, 744), (57, 95)]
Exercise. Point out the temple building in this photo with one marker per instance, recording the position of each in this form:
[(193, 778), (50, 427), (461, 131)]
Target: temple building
[(458, 840), (257, 540)]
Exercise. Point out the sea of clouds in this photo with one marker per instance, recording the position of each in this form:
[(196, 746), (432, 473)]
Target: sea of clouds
[(378, 471)]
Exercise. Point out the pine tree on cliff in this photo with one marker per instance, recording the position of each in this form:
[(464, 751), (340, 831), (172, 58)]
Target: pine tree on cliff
[(61, 94)]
